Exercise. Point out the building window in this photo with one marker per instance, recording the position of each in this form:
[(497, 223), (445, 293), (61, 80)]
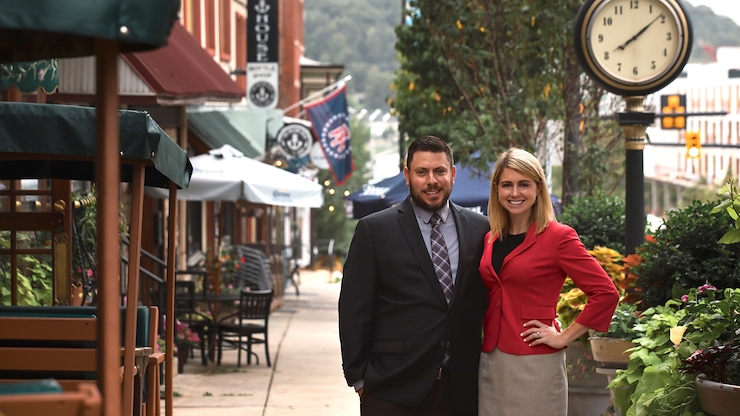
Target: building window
[(225, 29), (241, 49), (210, 13), (191, 12)]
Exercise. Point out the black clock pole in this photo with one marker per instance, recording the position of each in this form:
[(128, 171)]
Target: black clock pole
[(634, 122)]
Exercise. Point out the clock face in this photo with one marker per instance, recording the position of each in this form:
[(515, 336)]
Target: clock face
[(632, 47), (634, 41)]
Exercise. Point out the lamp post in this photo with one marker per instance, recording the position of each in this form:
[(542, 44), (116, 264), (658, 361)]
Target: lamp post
[(633, 51)]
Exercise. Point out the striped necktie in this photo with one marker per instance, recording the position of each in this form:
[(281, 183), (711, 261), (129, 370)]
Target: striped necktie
[(440, 257)]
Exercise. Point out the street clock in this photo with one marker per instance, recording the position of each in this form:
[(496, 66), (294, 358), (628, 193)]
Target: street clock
[(632, 47)]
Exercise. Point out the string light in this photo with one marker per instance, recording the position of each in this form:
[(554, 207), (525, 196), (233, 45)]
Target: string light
[(331, 191), (346, 192), (279, 163), (331, 208), (327, 182)]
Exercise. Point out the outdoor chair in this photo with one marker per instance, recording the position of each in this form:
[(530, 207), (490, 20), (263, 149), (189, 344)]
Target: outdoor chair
[(255, 272), (199, 322), (254, 306), (291, 271)]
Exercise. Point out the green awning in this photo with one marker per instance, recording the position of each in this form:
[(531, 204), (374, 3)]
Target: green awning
[(29, 76), (59, 142), (35, 30), (240, 127)]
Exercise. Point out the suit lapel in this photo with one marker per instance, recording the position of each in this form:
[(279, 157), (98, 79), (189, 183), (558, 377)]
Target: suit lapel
[(410, 228), (461, 223)]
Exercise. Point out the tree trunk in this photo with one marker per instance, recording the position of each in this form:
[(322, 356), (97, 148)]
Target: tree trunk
[(572, 135)]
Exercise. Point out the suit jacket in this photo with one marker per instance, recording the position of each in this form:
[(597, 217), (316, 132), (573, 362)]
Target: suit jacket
[(394, 322), (529, 287)]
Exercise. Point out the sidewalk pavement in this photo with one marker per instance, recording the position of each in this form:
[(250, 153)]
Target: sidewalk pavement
[(306, 375)]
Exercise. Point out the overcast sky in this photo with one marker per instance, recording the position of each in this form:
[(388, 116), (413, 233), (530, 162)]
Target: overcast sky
[(729, 8)]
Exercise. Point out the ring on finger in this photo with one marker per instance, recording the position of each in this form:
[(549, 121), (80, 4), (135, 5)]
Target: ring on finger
[(538, 334)]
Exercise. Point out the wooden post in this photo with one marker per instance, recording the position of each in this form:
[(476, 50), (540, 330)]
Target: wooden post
[(170, 331), (107, 178), (132, 293), (182, 251)]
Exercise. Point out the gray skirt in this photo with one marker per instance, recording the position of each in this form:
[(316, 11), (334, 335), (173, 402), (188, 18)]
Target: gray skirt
[(522, 385)]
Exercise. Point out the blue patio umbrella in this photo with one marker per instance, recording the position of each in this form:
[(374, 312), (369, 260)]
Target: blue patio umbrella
[(471, 190)]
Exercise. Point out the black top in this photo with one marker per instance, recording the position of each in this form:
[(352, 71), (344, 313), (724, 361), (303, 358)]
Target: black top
[(502, 248)]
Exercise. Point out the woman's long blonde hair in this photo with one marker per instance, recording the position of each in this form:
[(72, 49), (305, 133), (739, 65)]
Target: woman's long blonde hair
[(526, 164)]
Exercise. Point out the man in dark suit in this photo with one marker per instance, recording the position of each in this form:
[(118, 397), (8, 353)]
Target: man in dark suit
[(412, 300)]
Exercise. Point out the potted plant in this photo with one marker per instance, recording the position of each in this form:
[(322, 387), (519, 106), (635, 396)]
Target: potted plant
[(661, 377), (184, 338), (612, 348), (716, 366), (586, 386)]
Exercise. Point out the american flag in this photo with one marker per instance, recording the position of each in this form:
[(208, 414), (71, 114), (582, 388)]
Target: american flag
[(330, 121)]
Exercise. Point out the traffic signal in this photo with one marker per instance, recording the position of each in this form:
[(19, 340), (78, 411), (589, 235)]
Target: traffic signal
[(673, 104), (693, 144)]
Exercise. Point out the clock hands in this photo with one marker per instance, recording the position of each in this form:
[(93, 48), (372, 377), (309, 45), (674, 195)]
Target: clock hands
[(621, 47)]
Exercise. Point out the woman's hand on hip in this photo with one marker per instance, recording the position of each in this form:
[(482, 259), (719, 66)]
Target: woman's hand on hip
[(536, 333)]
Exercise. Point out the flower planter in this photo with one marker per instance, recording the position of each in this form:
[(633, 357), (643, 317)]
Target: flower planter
[(717, 398), (611, 351), (183, 350)]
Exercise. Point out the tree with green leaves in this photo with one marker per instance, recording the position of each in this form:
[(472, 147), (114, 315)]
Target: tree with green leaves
[(486, 75), (358, 34)]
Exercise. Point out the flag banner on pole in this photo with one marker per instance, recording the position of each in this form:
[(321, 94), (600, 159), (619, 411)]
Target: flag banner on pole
[(330, 121)]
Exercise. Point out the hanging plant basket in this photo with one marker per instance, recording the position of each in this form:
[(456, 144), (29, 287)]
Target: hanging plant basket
[(717, 398)]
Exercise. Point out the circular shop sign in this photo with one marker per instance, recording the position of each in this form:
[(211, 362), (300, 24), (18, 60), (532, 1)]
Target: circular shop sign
[(262, 94), (294, 140)]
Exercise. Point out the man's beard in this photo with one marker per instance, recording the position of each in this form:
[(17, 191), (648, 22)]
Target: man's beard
[(416, 196)]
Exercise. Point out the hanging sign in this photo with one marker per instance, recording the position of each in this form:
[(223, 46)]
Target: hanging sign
[(317, 157), (294, 140), (263, 54)]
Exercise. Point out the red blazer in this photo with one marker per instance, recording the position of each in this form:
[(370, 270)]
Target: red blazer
[(529, 286)]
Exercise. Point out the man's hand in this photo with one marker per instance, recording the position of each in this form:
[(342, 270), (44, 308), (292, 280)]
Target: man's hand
[(359, 392)]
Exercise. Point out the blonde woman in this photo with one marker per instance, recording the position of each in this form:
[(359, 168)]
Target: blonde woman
[(526, 258)]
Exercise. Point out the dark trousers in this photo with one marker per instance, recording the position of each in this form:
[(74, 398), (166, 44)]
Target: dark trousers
[(437, 403)]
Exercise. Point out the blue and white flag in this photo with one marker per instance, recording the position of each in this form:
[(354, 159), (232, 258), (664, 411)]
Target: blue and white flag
[(330, 121)]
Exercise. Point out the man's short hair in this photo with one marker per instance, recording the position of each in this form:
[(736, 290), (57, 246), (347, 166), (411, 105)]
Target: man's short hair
[(429, 144)]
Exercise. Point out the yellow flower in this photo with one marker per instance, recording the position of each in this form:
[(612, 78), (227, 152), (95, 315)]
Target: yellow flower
[(437, 97), (677, 334), (483, 29), (532, 21), (459, 25), (411, 86)]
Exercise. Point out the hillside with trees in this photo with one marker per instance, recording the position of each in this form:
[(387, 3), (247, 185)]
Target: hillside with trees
[(710, 32), (359, 34)]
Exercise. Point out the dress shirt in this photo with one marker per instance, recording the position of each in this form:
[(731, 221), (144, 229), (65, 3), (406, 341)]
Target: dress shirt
[(447, 227)]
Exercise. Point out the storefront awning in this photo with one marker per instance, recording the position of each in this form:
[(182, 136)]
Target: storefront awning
[(180, 73), (243, 129), (32, 30), (60, 139)]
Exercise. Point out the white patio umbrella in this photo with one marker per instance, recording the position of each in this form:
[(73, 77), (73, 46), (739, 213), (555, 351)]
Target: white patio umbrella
[(225, 174)]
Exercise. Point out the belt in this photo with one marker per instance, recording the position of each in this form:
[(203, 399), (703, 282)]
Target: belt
[(443, 369)]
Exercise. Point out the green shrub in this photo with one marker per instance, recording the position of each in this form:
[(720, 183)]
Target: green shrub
[(684, 253), (598, 220)]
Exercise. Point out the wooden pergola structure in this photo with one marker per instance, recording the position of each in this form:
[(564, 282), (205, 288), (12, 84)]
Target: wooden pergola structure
[(70, 28)]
